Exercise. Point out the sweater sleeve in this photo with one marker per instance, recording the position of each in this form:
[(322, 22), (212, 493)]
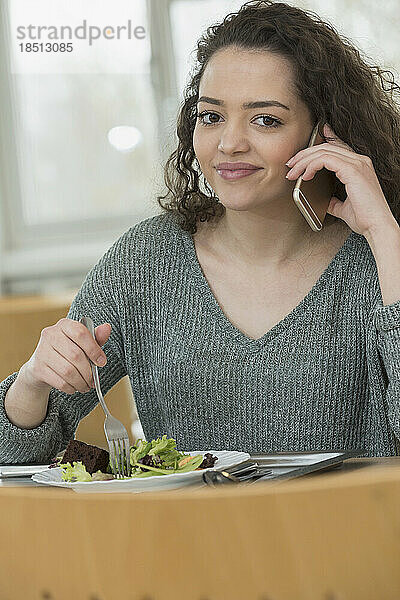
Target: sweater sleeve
[(99, 298), (387, 323)]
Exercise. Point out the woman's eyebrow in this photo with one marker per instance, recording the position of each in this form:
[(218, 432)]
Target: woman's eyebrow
[(257, 104)]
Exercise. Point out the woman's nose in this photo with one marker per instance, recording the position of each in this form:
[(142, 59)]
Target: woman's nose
[(232, 139)]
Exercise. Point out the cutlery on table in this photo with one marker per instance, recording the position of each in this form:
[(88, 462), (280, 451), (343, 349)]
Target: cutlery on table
[(217, 477), (116, 434)]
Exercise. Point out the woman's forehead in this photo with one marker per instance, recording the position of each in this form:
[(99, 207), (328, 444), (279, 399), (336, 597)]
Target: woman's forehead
[(251, 62), (262, 75)]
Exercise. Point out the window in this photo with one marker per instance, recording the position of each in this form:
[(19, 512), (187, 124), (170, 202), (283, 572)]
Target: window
[(82, 150)]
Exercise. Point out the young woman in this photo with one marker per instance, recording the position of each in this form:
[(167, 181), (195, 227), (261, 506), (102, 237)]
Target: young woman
[(240, 327)]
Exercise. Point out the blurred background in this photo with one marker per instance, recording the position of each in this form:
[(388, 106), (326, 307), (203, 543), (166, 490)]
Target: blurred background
[(84, 138)]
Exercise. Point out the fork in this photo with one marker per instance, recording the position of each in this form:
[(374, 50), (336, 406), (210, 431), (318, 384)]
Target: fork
[(116, 434), (212, 477)]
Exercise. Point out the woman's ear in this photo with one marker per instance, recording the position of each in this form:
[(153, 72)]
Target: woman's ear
[(319, 138)]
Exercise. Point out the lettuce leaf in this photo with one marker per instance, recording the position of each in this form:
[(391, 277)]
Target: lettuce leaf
[(190, 465), (139, 451), (162, 446), (75, 472)]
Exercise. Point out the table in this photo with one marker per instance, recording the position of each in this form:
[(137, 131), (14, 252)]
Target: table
[(328, 536)]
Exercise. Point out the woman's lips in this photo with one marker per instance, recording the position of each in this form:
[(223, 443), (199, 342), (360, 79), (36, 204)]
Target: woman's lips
[(235, 174)]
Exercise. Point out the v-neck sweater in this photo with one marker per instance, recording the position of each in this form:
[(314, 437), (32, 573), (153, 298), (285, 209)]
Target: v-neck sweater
[(326, 377)]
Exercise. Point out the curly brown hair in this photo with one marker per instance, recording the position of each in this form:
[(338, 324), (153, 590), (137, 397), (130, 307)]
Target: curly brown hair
[(331, 78)]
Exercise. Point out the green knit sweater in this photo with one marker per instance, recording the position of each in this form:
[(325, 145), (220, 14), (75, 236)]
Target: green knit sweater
[(327, 376)]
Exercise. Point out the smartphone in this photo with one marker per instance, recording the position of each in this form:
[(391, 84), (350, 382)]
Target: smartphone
[(314, 197)]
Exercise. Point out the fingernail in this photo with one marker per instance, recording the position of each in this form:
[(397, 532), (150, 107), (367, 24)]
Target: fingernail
[(289, 162), (101, 361)]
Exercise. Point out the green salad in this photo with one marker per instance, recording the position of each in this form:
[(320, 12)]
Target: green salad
[(147, 459)]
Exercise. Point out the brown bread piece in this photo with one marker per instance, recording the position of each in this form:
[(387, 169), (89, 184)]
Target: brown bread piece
[(94, 458)]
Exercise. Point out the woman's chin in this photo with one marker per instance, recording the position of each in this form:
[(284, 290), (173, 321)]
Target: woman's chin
[(231, 204)]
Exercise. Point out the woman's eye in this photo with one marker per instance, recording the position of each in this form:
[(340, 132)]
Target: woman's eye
[(201, 116), (276, 123), (207, 114)]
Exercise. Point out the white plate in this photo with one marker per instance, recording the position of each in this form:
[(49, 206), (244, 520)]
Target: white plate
[(226, 458)]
